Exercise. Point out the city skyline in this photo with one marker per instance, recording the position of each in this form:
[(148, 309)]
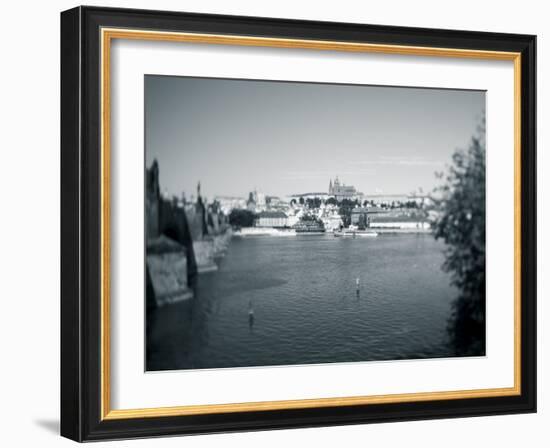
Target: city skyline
[(284, 138)]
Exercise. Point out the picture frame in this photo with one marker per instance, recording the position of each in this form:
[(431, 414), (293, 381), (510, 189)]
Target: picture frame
[(86, 210)]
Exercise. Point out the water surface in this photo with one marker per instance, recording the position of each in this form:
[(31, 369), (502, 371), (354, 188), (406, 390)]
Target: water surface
[(306, 307)]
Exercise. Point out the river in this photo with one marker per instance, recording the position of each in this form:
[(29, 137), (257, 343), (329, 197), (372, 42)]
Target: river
[(306, 306)]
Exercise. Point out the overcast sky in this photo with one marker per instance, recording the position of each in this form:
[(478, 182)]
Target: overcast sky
[(280, 138)]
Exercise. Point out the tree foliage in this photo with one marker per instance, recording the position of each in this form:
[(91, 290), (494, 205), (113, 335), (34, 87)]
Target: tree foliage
[(461, 225), (313, 202), (346, 206), (241, 218)]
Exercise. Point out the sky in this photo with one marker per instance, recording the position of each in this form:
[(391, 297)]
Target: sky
[(281, 138)]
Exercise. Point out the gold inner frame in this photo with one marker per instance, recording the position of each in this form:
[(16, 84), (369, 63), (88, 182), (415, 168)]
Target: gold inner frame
[(107, 35)]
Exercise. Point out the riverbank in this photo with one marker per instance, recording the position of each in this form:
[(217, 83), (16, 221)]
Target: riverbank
[(263, 231), (275, 232), (390, 230), (210, 249)]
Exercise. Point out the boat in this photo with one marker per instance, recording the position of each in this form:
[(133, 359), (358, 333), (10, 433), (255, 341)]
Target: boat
[(309, 227), (256, 231), (354, 232), (263, 231)]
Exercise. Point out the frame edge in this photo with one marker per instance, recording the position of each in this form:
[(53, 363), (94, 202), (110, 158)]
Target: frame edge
[(71, 380), (529, 222), (79, 419)]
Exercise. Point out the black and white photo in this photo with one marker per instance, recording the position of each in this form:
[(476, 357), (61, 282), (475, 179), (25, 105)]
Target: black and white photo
[(293, 223)]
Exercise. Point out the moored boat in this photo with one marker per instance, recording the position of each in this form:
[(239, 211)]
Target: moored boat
[(309, 226), (354, 233), (263, 231)]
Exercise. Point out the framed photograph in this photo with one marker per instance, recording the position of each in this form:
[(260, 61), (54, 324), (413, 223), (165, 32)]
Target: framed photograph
[(273, 223)]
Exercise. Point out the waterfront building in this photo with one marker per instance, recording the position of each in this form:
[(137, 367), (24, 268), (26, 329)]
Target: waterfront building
[(418, 225), (332, 222), (292, 220), (271, 219), (360, 215)]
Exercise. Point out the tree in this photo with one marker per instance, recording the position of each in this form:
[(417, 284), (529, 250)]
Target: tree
[(346, 206), (313, 202), (241, 218), (461, 225)]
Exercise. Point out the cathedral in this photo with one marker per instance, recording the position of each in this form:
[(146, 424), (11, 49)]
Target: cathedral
[(341, 191)]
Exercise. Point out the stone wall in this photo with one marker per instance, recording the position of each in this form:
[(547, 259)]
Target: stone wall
[(174, 224), (204, 254), (166, 272), (183, 240), (209, 249)]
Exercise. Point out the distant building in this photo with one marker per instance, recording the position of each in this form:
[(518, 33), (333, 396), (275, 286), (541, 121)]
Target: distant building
[(251, 202), (332, 222), (341, 191), (399, 200), (400, 224), (256, 201), (291, 220), (305, 196), (421, 200), (259, 197), (228, 203), (275, 203), (386, 200), (360, 215), (271, 219)]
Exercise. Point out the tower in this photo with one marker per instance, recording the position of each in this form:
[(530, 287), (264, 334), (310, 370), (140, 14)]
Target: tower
[(330, 187), (152, 201)]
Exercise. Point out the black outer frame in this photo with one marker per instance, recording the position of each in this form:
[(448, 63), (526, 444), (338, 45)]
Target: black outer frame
[(80, 223)]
